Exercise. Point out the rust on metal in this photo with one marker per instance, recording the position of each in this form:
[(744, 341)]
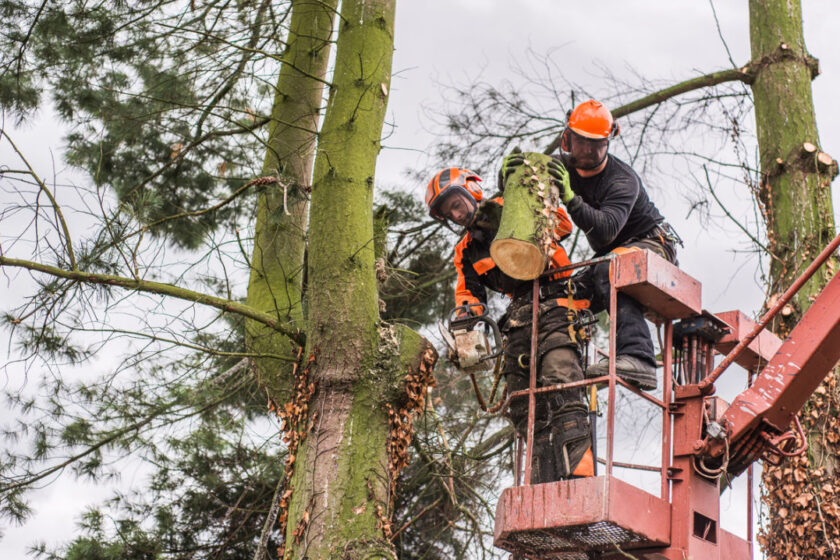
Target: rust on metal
[(767, 317), (632, 466), (667, 376), (758, 352), (594, 513), (611, 387), (797, 369), (532, 384), (657, 284), (583, 383)]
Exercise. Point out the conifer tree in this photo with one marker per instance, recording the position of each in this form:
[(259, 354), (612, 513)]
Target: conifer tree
[(168, 103)]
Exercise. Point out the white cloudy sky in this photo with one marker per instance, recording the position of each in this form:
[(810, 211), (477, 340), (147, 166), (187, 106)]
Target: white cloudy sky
[(439, 41)]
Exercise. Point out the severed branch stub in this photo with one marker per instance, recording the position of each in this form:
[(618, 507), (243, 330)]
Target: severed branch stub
[(524, 242), (822, 162), (825, 162)]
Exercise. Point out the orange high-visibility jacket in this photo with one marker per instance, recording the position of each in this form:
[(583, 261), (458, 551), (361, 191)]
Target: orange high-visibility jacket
[(477, 271)]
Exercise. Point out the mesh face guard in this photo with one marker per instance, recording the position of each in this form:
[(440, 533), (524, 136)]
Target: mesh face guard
[(454, 204), (585, 153)]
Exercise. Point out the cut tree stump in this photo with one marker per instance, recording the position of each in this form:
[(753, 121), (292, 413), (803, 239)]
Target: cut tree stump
[(525, 240)]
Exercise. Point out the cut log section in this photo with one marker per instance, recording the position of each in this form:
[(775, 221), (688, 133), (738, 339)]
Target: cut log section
[(524, 242)]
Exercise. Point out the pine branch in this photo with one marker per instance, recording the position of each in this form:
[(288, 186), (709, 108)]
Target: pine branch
[(257, 124), (61, 466), (160, 289), (259, 181), (135, 427)]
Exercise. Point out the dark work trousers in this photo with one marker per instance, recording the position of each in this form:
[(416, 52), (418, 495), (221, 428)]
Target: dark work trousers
[(632, 333), (561, 429)]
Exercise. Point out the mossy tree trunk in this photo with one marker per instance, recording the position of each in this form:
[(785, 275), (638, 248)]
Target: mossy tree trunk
[(345, 467), (804, 505), (523, 245), (277, 262)]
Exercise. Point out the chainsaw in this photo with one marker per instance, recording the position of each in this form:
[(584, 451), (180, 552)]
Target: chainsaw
[(469, 348)]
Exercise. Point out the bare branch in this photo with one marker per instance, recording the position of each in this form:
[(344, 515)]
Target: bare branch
[(732, 218), (744, 74), (204, 349), (59, 215)]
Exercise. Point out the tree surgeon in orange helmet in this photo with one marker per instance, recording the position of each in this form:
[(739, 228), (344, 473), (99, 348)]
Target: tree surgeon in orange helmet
[(607, 201), (562, 433)]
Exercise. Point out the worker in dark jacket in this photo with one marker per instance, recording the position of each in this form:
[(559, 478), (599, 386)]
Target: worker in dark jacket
[(607, 201), (562, 433)]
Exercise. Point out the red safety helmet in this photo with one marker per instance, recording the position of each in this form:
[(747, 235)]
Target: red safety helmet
[(453, 194), (589, 128)]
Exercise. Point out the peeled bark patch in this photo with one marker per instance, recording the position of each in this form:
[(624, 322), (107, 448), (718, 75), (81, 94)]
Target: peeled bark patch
[(523, 244)]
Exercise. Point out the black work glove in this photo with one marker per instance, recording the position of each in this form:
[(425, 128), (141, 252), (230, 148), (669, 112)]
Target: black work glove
[(509, 165), (489, 215)]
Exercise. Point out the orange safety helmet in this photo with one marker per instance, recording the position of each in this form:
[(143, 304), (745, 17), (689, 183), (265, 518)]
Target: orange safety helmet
[(589, 128), (591, 119), (449, 182)]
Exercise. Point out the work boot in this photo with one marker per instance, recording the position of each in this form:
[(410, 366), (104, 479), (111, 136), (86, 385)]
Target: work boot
[(631, 369)]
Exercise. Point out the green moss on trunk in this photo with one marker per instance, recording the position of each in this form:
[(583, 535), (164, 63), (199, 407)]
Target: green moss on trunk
[(795, 195), (342, 295), (796, 199), (522, 246), (277, 261), (341, 491)]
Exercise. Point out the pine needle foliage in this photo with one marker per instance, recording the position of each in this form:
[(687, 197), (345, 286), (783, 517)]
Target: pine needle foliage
[(166, 98)]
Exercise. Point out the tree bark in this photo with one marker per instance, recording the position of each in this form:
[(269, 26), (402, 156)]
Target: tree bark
[(277, 262), (804, 507), (523, 245), (344, 471)]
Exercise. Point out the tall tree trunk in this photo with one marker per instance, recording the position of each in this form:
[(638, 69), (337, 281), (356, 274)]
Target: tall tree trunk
[(345, 466), (804, 505), (277, 261)]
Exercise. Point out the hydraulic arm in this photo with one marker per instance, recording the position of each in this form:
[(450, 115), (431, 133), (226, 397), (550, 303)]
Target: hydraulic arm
[(756, 424)]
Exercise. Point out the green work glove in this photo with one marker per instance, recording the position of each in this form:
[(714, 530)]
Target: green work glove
[(509, 165), (560, 179)]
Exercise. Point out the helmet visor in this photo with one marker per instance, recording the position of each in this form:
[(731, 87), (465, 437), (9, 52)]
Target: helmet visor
[(587, 153), (456, 205)]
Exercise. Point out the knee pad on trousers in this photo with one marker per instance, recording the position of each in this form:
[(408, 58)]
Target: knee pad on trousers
[(570, 435), (558, 448)]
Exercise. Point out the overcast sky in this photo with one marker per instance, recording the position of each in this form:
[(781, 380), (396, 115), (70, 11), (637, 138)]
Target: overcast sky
[(440, 42)]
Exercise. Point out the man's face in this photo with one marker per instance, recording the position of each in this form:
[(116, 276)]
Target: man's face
[(459, 208), (588, 153)]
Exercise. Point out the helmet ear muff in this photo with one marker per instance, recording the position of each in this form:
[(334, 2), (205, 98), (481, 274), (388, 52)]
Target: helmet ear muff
[(476, 191), (472, 186), (616, 129)]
